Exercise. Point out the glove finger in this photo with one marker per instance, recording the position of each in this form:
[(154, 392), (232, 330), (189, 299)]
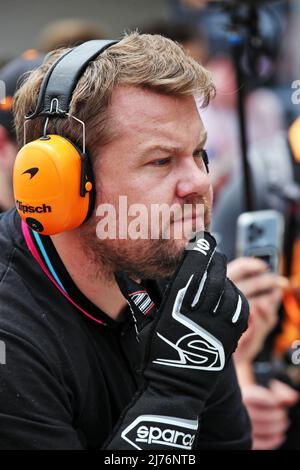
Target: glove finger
[(234, 307), (194, 264), (206, 291)]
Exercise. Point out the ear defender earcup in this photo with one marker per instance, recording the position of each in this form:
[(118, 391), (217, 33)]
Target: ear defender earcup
[(47, 176)]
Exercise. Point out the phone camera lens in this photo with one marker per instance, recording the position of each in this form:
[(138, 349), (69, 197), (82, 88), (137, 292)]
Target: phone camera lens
[(254, 232)]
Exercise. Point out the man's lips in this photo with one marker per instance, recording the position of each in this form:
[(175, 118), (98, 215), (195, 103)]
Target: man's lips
[(193, 216)]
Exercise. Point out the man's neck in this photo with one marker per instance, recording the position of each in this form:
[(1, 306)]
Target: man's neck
[(88, 277)]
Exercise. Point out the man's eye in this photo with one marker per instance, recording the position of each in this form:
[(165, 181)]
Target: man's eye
[(161, 162)]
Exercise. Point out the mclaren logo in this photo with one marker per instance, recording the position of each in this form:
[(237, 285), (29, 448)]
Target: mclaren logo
[(31, 171), (26, 209), (149, 431), (197, 350)]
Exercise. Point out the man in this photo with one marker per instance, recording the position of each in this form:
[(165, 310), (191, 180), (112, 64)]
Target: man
[(10, 75), (82, 370)]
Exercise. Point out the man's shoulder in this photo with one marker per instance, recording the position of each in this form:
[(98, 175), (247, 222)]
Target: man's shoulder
[(31, 307), (37, 321), (20, 309), (30, 304), (12, 245), (18, 270)]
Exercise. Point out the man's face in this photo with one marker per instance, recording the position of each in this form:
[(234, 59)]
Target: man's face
[(155, 159)]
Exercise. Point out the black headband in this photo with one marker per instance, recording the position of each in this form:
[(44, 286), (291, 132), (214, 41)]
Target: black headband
[(59, 82)]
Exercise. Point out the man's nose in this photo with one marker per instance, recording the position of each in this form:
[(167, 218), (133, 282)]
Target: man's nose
[(192, 180)]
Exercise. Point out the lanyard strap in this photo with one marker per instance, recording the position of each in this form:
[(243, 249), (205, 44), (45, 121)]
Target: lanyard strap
[(36, 255)]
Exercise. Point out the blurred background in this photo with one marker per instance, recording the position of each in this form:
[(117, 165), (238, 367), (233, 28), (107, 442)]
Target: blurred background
[(22, 22), (252, 48)]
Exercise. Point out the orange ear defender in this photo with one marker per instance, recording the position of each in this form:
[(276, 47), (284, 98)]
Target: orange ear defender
[(52, 178), (46, 185)]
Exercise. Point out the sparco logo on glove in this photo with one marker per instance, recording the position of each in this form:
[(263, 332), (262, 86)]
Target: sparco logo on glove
[(147, 431)]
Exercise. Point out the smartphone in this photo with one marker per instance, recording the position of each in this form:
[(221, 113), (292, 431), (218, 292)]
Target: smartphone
[(260, 234)]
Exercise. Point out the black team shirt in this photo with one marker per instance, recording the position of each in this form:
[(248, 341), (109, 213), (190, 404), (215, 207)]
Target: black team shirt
[(67, 377)]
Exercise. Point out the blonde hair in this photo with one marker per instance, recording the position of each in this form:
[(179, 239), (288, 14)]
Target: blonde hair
[(143, 60)]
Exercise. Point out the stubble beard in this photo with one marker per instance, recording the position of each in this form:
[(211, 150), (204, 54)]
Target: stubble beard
[(139, 259)]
